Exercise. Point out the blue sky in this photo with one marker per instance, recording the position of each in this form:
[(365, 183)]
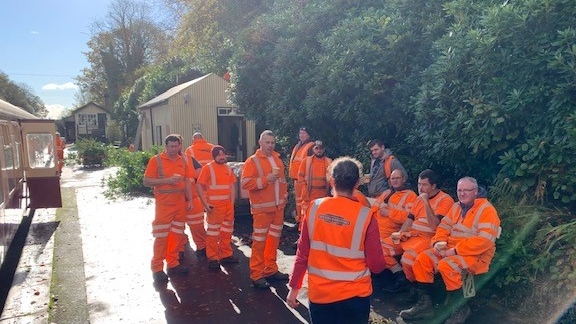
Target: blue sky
[(41, 45)]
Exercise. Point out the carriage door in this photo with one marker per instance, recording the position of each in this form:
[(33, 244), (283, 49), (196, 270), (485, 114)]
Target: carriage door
[(41, 163)]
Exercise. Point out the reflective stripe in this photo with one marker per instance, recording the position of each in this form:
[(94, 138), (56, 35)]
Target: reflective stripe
[(261, 230), (454, 265), (422, 228), (485, 235), (339, 275), (267, 204), (434, 257), (163, 234), (258, 238), (388, 249), (220, 197), (336, 251), (354, 251), (161, 227)]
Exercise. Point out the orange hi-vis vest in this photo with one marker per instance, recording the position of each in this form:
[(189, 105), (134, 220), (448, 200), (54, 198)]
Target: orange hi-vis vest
[(398, 205), (222, 177), (264, 196), (312, 177), (387, 168), (473, 234), (440, 203), (362, 198), (337, 268), (201, 150), (296, 158), (169, 194)]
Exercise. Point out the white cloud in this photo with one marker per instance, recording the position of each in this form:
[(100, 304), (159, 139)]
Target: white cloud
[(33, 32), (64, 86), (55, 111)]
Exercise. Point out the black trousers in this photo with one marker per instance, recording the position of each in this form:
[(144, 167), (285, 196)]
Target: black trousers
[(355, 310)]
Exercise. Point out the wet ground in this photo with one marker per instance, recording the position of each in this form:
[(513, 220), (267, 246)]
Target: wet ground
[(88, 262)]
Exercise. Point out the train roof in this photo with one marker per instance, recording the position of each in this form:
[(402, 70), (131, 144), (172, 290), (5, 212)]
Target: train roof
[(11, 112)]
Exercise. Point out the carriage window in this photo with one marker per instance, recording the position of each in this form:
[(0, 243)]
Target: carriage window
[(41, 150)]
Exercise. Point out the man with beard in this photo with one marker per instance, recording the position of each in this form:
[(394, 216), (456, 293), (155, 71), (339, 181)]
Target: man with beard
[(216, 190), (381, 167), (312, 176)]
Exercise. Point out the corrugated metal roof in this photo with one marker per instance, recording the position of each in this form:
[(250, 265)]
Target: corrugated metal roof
[(9, 111), (170, 92)]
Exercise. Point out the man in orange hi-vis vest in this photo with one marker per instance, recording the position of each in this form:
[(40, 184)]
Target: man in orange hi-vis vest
[(195, 216), (415, 234), (312, 176), (263, 177), (168, 174), (200, 149), (465, 241), (60, 146), (301, 150), (216, 190), (339, 247)]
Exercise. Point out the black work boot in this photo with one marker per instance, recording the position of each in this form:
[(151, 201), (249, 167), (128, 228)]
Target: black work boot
[(399, 284), (459, 315), (423, 308)]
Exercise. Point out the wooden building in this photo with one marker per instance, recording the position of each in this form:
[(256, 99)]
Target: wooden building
[(201, 106)]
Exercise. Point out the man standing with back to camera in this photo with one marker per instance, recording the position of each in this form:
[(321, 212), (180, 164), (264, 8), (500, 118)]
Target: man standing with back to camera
[(339, 247)]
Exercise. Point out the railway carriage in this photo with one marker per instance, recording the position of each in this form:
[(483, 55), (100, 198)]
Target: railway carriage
[(29, 176)]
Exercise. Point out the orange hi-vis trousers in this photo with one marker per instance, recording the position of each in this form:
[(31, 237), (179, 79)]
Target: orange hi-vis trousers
[(219, 232), (298, 200), (390, 250), (167, 235), (195, 221), (412, 247), (265, 242), (450, 268)]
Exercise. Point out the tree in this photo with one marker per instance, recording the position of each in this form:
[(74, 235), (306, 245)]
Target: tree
[(123, 43), (21, 95), (500, 97)]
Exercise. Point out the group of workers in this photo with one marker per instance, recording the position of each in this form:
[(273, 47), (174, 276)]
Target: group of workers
[(345, 236)]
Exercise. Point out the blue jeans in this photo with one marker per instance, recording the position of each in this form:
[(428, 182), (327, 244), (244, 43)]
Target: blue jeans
[(355, 310)]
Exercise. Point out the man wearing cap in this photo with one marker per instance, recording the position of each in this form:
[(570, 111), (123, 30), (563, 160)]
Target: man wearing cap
[(381, 167), (216, 190), (200, 149), (301, 150), (312, 176)]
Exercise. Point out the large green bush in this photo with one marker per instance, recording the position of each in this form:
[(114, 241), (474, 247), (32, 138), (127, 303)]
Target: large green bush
[(128, 179)]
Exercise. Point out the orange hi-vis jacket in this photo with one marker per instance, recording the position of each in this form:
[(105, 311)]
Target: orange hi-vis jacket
[(312, 177), (219, 180), (399, 204), (160, 166), (337, 268), (440, 203), (472, 234), (361, 198), (264, 196), (60, 146), (201, 150), (299, 152)]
